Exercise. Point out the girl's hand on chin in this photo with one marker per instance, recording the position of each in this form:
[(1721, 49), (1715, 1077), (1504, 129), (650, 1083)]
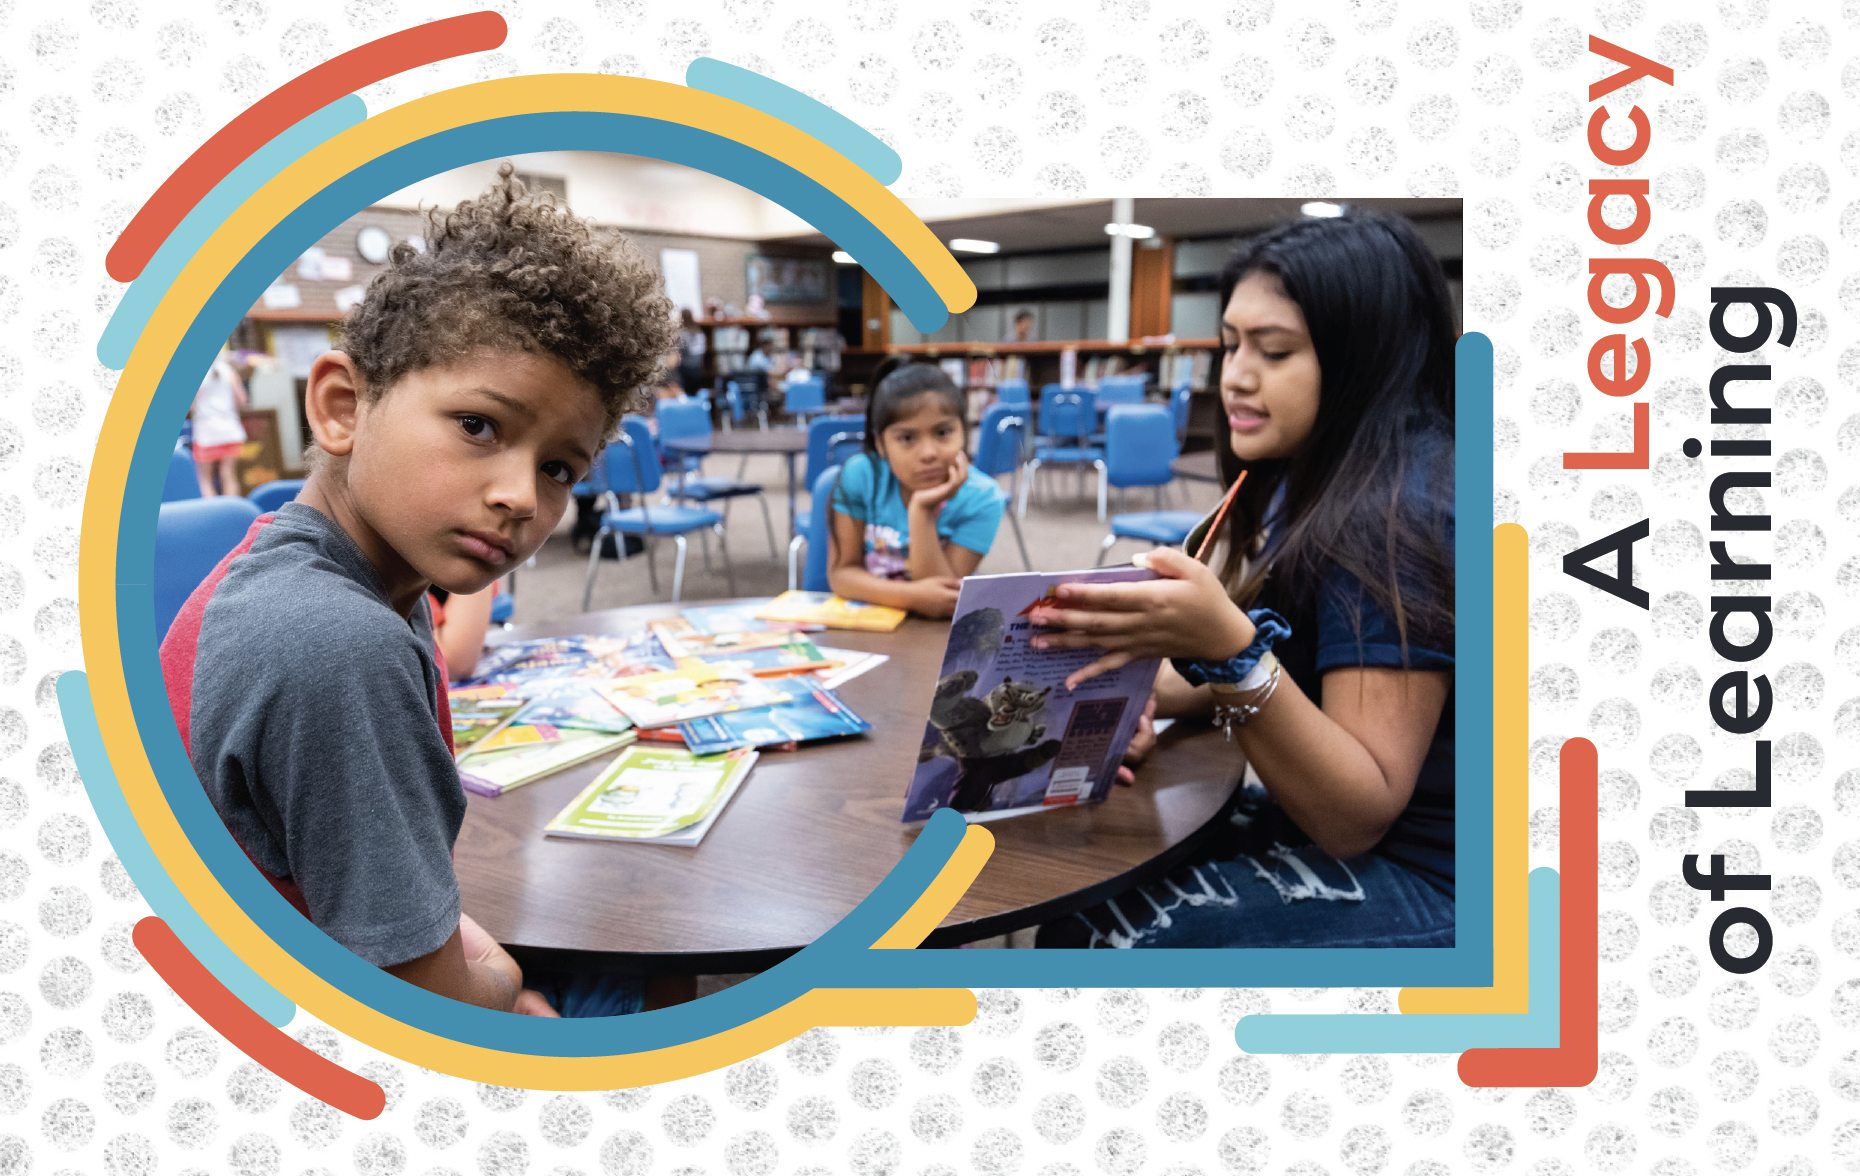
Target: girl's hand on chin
[(1185, 613)]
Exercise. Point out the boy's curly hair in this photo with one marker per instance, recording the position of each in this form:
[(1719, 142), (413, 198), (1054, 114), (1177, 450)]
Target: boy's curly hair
[(513, 271)]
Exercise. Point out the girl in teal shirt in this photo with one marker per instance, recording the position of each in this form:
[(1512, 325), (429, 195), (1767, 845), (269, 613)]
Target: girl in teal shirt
[(911, 517)]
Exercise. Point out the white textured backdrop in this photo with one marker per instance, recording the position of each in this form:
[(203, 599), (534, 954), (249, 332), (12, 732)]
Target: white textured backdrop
[(1753, 168)]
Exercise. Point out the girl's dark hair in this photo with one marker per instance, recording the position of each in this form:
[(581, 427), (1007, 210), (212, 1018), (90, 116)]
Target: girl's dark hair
[(1371, 490), (896, 382), (902, 383)]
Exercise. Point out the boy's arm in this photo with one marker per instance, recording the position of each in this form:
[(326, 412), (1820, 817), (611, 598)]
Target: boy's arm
[(491, 983)]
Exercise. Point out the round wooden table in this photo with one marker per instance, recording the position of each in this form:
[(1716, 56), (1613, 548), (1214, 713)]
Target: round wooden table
[(789, 443), (809, 835)]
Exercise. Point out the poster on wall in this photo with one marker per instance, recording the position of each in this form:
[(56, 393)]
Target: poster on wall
[(787, 279)]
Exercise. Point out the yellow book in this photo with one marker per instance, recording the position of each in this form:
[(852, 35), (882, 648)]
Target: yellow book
[(824, 608)]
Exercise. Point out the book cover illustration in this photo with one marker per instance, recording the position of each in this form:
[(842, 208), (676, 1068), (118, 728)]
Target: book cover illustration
[(570, 702), (498, 772), (835, 612), (1004, 735), (797, 655), (691, 691), (814, 713), (479, 713), (663, 795), (680, 638), (558, 657), (715, 619)]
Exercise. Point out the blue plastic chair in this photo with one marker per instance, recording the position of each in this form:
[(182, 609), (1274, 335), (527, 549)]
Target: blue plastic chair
[(1121, 390), (831, 440), (805, 396), (633, 468), (1015, 393), (1000, 447), (1139, 445), (502, 606), (272, 495), (1179, 400), (182, 482), (686, 417), (1064, 436), (814, 537), (191, 538)]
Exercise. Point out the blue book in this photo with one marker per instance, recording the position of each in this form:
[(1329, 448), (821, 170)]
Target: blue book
[(814, 713)]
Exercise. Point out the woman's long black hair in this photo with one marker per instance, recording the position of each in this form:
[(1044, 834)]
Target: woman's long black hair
[(1371, 490)]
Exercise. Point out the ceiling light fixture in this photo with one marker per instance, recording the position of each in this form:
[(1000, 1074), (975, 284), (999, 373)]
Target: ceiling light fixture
[(1134, 232), (1321, 208), (843, 257), (965, 245)]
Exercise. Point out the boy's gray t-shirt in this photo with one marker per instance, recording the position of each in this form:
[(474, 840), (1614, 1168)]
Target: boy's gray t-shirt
[(314, 727)]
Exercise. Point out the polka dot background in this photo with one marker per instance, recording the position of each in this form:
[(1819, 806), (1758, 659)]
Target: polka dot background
[(1753, 168)]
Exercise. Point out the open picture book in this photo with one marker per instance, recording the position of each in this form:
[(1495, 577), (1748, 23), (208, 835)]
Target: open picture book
[(1004, 736)]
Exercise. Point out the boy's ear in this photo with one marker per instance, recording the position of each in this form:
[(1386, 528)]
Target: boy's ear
[(333, 401)]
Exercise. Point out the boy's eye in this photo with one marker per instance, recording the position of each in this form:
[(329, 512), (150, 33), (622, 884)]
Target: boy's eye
[(477, 427), (558, 471)]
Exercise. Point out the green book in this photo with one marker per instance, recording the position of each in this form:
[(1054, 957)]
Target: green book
[(664, 795), (497, 772)]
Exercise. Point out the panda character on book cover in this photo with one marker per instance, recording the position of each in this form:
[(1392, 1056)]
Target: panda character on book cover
[(1004, 735)]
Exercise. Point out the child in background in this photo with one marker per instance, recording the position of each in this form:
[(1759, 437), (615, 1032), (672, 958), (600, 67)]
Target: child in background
[(476, 383), (218, 434), (459, 626), (910, 516)]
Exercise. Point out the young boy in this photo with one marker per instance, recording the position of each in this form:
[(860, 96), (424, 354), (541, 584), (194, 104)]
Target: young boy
[(476, 383)]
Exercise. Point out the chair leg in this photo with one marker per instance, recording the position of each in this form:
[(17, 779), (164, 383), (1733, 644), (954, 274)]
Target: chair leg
[(1103, 484), (652, 562), (594, 564), (1020, 539), (796, 546), (1033, 467), (678, 569), (768, 527), (742, 467), (704, 543), (1104, 548), (723, 545)]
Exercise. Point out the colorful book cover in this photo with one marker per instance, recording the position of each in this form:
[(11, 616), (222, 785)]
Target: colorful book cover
[(715, 619), (681, 639), (558, 657), (480, 712), (571, 702), (1004, 735), (691, 691), (814, 713), (797, 655), (664, 795), (824, 608), (499, 772)]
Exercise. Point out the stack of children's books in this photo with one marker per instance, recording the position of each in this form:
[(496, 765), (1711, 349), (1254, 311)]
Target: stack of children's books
[(685, 702), (505, 739)]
